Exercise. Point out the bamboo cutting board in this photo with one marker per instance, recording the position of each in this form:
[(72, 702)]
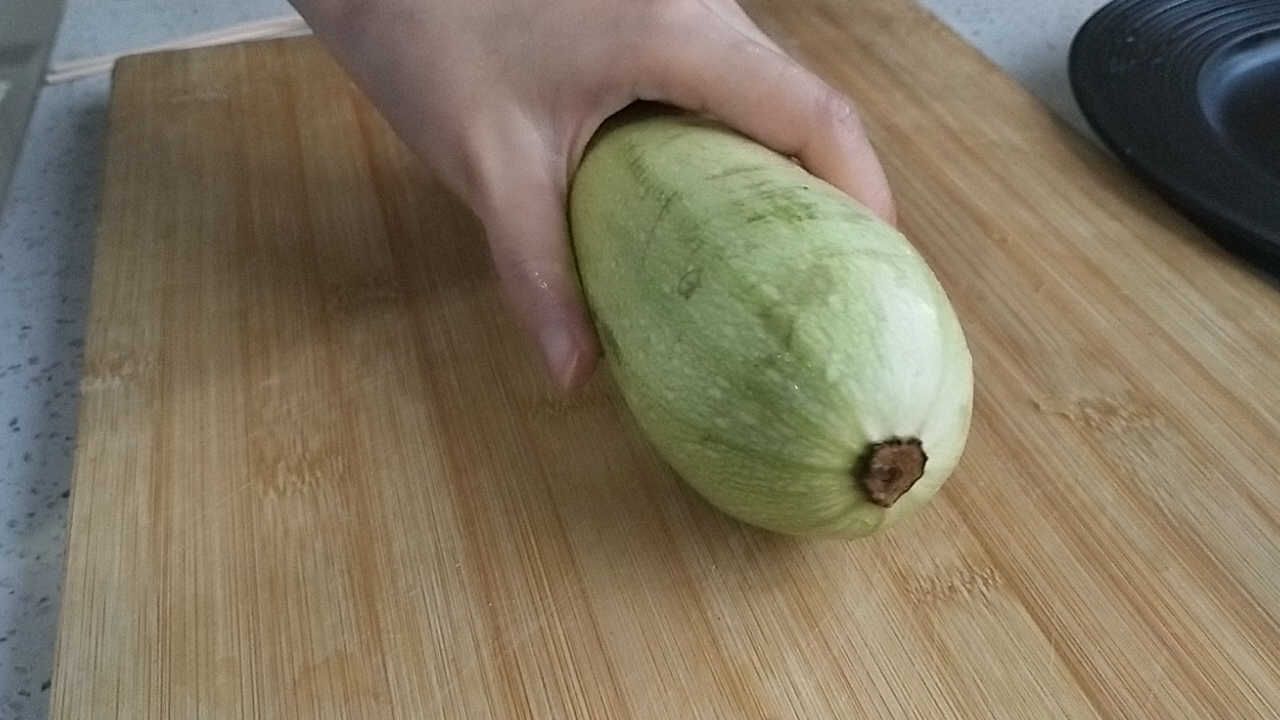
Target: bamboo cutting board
[(320, 474)]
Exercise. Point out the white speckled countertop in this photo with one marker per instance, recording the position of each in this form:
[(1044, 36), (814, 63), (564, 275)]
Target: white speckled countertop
[(46, 226)]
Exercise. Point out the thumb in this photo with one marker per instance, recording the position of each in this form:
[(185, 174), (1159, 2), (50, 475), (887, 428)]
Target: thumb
[(528, 237)]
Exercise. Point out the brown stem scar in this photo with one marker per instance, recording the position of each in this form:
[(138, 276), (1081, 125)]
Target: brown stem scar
[(887, 470)]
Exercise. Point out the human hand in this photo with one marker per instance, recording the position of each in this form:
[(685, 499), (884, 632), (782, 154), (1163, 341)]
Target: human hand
[(500, 97)]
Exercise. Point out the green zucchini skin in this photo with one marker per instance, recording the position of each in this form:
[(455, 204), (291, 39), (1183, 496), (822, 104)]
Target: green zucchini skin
[(774, 340)]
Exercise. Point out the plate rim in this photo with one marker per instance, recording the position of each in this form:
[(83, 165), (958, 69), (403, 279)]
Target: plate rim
[(1240, 228)]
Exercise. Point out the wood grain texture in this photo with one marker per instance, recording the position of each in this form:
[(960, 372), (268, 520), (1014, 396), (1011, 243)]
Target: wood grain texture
[(320, 474)]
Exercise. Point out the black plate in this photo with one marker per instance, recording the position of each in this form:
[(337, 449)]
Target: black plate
[(1187, 94)]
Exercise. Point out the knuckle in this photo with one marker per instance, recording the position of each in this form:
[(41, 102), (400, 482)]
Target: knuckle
[(889, 208), (534, 277), (530, 285), (518, 267), (671, 14), (666, 29), (837, 111)]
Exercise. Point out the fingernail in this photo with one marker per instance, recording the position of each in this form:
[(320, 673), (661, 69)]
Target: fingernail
[(561, 353)]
